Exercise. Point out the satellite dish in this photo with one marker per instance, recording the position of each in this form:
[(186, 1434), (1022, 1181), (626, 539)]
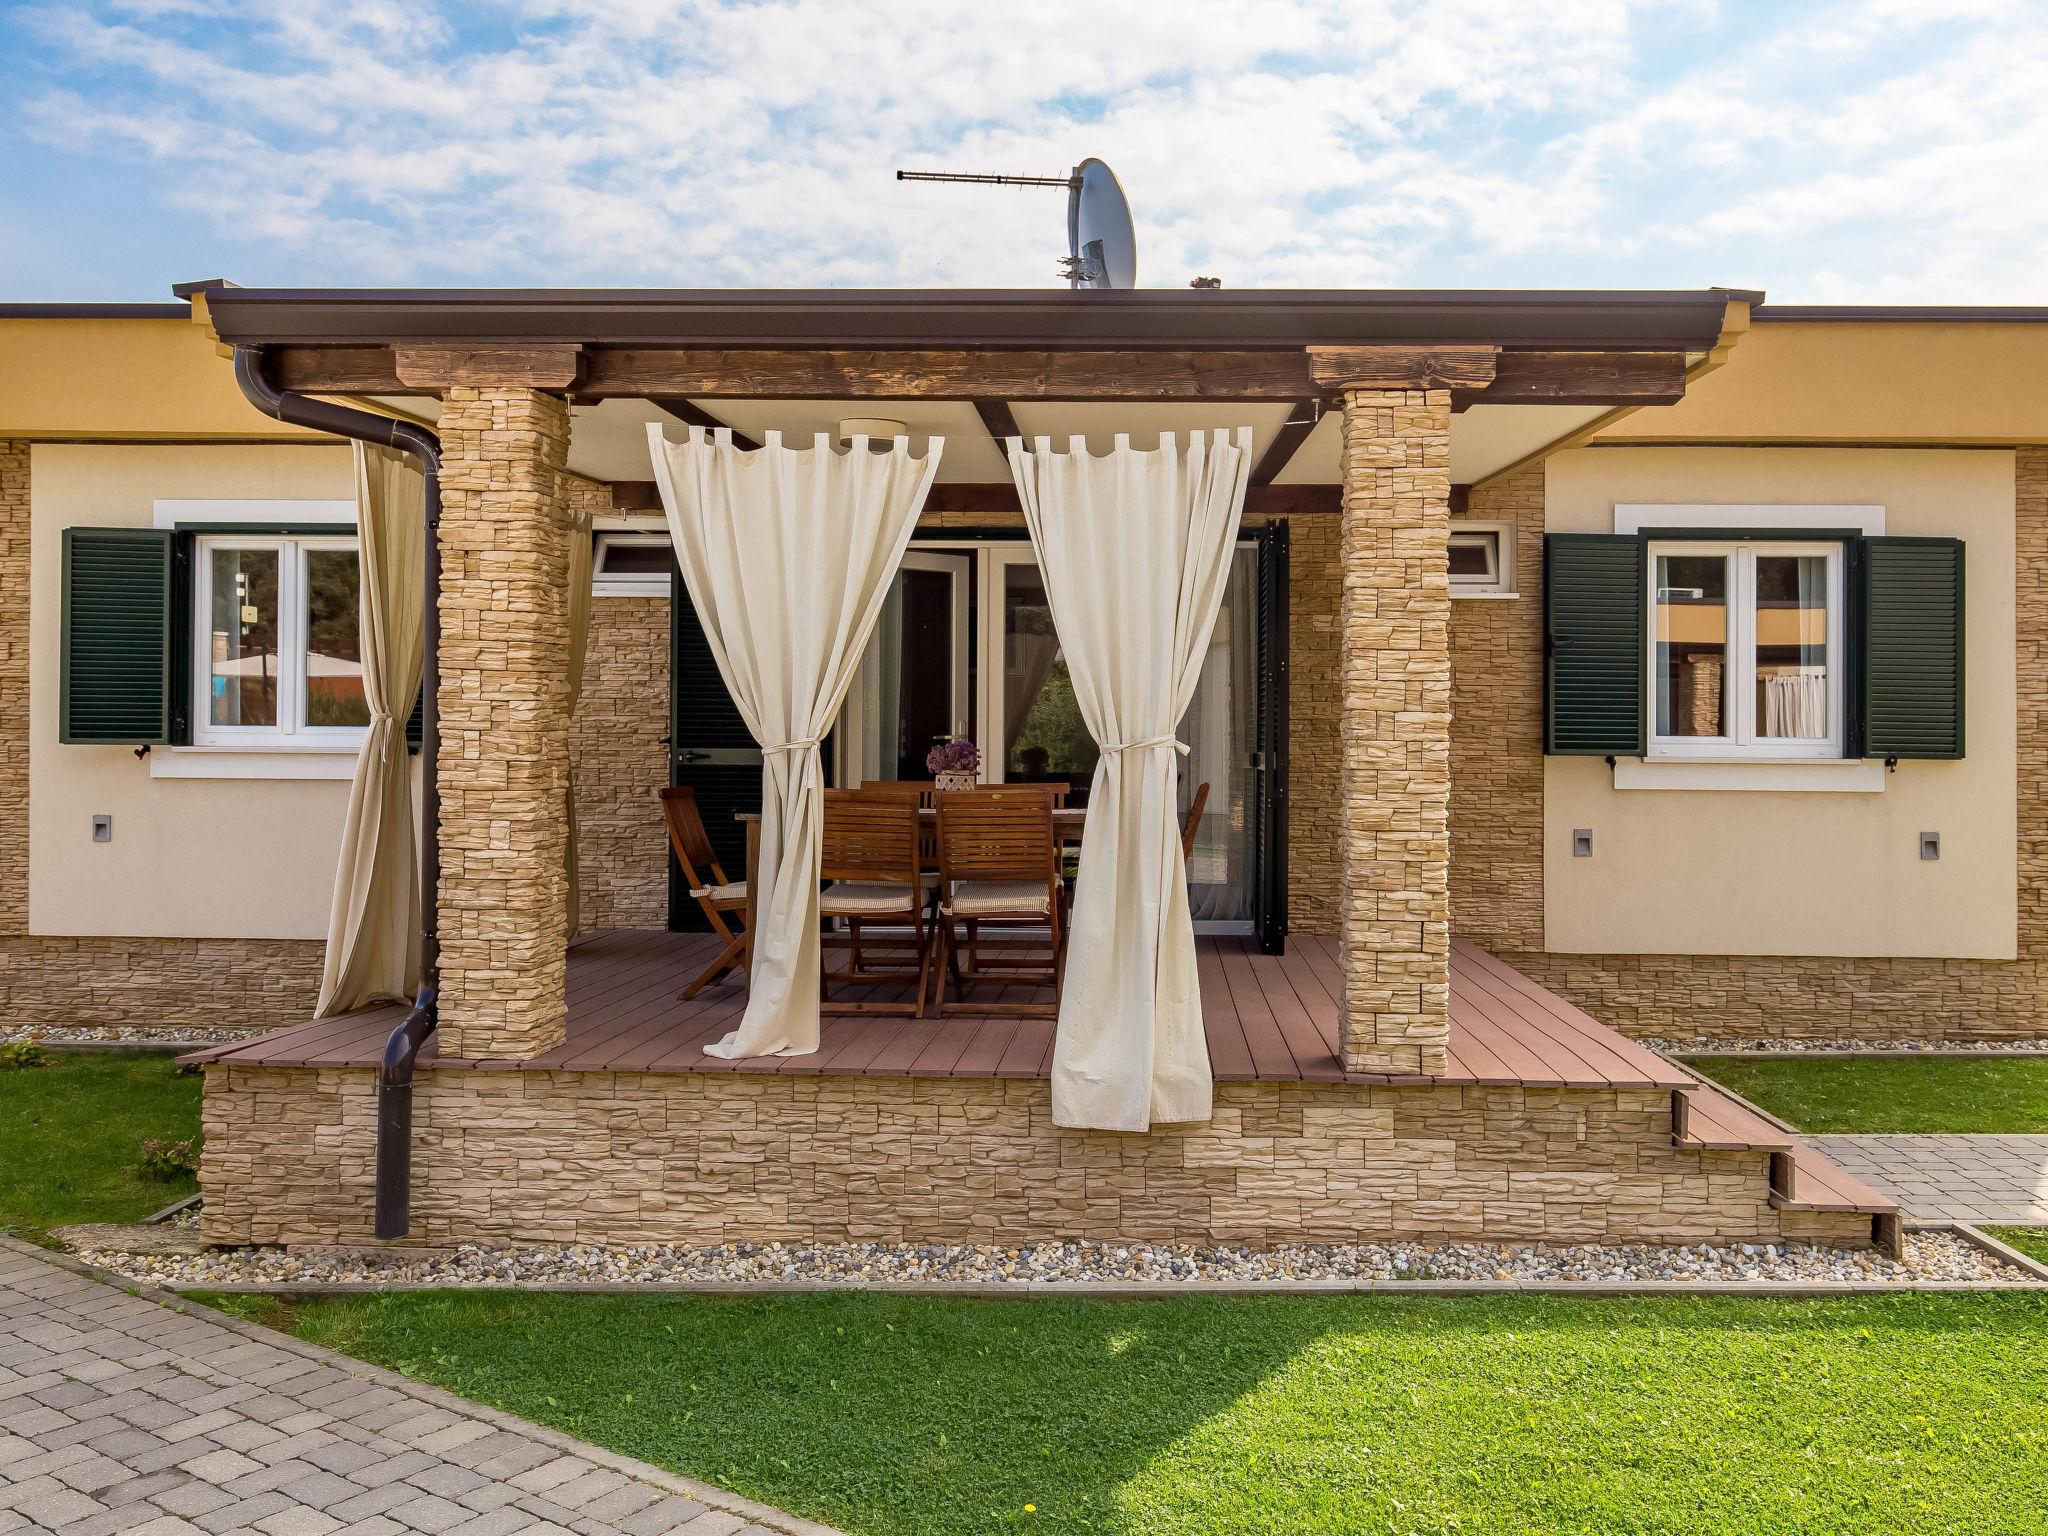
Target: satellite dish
[(1102, 250), (1102, 245)]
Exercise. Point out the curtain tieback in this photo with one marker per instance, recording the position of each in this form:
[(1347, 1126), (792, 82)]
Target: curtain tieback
[(1150, 741), (793, 746)]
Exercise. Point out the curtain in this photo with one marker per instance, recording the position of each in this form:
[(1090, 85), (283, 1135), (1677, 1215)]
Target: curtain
[(1135, 549), (373, 928), (580, 556), (788, 555), (1028, 662)]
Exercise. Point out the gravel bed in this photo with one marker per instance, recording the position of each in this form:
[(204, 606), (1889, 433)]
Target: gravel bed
[(1930, 1256), (122, 1034), (1763, 1046)]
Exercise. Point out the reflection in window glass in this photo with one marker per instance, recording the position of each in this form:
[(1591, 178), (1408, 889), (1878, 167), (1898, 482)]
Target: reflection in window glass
[(334, 657), (1044, 737), (1792, 646), (1692, 645), (243, 675)]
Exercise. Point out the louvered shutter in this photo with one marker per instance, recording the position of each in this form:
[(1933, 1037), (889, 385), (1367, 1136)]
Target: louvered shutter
[(414, 722), (117, 678), (1593, 622), (1908, 669)]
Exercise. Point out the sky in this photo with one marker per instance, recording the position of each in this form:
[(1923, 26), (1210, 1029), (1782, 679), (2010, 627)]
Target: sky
[(1882, 151)]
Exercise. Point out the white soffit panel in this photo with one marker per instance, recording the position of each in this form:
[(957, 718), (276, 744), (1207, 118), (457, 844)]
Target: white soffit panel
[(1483, 439)]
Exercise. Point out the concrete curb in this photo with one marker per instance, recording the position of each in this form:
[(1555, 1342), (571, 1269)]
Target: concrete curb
[(2005, 1251), (670, 1482)]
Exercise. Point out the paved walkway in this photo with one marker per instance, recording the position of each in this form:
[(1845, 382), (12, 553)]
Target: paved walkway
[(1994, 1179), (123, 1416)]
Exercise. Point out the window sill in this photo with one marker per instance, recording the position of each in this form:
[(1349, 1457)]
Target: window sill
[(252, 762), (1457, 596), (1811, 775)]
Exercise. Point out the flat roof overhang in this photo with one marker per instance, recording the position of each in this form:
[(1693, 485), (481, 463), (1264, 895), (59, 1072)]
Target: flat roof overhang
[(1166, 319)]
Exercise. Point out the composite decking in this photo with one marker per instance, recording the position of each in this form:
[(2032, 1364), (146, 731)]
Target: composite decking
[(1268, 1017)]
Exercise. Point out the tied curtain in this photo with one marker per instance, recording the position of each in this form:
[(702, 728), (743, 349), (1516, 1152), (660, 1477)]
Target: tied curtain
[(373, 928), (1135, 549), (788, 555)]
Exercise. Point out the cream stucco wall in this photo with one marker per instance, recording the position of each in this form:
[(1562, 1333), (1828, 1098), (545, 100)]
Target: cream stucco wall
[(1764, 873), (190, 858)]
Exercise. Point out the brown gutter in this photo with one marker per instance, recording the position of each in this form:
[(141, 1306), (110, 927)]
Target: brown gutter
[(1170, 319), (401, 1050)]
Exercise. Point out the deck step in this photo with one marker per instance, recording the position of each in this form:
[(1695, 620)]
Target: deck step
[(1702, 1117), (1802, 1179)]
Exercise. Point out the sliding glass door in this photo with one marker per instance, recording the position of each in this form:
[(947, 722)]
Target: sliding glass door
[(913, 688), (1032, 725)]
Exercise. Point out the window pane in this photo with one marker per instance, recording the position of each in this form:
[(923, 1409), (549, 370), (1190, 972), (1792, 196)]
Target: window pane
[(1044, 737), (334, 654), (1792, 646), (635, 560), (1472, 557), (1692, 645), (243, 663)]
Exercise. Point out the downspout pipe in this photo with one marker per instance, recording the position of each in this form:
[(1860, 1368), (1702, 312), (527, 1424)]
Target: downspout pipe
[(401, 1050)]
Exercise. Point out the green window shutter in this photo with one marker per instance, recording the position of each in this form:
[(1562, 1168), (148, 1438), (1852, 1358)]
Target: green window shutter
[(1908, 669), (1593, 622), (119, 669)]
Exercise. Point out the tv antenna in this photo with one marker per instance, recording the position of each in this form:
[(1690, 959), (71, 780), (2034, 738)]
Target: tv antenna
[(1102, 248)]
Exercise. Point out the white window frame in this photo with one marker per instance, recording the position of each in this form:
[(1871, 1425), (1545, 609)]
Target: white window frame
[(288, 735), (1742, 743), (1499, 538), (627, 584)]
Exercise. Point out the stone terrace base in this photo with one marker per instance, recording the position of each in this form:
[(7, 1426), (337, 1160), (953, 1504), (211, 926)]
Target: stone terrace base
[(691, 1158)]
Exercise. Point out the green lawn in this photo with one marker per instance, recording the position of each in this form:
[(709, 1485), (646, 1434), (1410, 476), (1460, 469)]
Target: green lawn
[(2032, 1241), (1510, 1415), (1899, 1094), (70, 1133)]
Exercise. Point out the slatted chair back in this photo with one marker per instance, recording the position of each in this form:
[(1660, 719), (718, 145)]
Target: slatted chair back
[(870, 838), (1191, 823), (686, 835), (924, 790), (1002, 832)]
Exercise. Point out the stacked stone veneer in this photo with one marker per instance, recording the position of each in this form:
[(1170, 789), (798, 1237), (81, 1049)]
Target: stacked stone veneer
[(504, 721), (640, 1157), (617, 747), (1394, 769)]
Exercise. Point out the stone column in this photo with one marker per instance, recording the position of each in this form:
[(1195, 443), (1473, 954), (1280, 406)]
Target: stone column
[(504, 721), (1395, 758)]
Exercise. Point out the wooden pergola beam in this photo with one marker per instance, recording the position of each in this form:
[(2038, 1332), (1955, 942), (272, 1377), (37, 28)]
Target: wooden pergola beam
[(994, 378), (691, 414), (1292, 434), (1000, 498)]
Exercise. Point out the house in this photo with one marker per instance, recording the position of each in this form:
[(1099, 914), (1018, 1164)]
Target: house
[(1593, 666)]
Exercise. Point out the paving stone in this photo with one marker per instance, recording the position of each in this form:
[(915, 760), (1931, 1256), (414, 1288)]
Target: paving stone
[(58, 1506), (222, 1466), (430, 1513), (662, 1517), (298, 1522)]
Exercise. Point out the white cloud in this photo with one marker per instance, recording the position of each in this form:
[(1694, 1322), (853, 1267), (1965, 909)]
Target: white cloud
[(1859, 151)]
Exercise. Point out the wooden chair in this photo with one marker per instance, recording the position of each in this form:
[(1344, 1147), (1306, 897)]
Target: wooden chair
[(716, 896), (871, 859), (1191, 823), (999, 863)]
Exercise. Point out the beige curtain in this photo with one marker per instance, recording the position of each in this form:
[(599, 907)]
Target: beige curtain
[(1135, 549), (788, 555), (580, 553), (373, 930)]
